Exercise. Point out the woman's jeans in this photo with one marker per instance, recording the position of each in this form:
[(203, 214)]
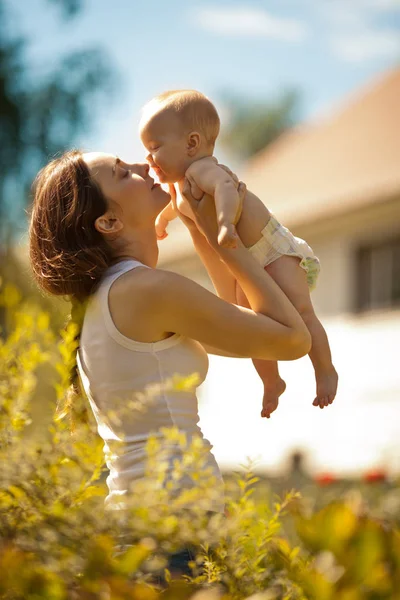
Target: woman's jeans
[(177, 562)]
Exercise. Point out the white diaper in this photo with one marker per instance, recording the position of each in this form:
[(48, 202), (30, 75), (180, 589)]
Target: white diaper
[(276, 240)]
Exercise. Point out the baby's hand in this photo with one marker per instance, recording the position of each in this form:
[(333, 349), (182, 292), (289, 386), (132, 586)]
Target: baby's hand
[(166, 215), (161, 227)]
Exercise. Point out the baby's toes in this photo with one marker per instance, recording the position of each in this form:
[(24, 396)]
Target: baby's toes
[(331, 398), (319, 402), (268, 409), (324, 401)]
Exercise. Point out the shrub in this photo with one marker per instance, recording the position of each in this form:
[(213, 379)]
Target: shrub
[(58, 542)]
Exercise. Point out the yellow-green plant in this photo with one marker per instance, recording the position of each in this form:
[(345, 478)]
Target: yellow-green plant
[(57, 541)]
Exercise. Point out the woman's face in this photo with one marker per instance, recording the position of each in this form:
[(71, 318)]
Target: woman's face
[(135, 196)]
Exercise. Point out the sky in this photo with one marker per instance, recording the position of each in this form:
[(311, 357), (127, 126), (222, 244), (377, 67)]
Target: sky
[(254, 49)]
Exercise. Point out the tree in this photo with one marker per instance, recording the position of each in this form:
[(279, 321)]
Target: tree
[(40, 116), (253, 126)]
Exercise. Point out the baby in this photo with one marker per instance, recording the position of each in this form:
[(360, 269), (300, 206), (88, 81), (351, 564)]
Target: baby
[(179, 129)]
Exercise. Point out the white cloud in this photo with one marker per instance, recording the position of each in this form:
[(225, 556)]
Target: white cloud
[(339, 16), (249, 22), (381, 6), (356, 29), (340, 9), (366, 45), (357, 13)]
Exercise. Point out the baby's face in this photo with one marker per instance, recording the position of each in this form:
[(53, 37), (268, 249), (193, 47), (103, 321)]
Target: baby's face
[(163, 137)]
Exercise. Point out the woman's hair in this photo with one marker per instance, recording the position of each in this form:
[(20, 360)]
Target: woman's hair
[(67, 254)]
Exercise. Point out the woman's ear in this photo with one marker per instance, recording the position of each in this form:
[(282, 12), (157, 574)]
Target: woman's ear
[(193, 143), (107, 224)]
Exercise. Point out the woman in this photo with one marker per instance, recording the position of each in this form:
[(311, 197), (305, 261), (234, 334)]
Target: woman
[(92, 237)]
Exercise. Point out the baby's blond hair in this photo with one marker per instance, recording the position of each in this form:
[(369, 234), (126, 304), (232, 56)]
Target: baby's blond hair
[(194, 109)]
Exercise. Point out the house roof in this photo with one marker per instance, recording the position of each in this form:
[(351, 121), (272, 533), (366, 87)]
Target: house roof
[(337, 164)]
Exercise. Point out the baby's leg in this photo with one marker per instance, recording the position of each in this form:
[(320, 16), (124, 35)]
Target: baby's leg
[(274, 386), (292, 280)]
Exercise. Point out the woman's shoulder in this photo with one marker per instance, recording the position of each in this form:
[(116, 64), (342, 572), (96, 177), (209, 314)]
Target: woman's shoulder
[(143, 285), (139, 300)]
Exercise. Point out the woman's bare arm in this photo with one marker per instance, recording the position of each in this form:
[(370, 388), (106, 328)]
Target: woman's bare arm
[(163, 302), (176, 304), (222, 279), (262, 292), (272, 316), (218, 352)]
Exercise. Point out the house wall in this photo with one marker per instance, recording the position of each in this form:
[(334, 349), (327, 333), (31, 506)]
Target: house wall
[(335, 241)]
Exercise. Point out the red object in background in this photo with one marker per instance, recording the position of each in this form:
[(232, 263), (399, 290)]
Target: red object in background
[(324, 478), (375, 476)]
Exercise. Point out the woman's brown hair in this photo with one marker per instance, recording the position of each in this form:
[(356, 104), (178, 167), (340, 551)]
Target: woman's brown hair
[(67, 253)]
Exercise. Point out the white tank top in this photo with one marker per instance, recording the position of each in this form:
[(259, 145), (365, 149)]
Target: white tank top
[(115, 370)]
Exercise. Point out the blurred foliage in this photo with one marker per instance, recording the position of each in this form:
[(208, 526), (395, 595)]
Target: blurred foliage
[(69, 7), (15, 270), (42, 107), (252, 126), (57, 541)]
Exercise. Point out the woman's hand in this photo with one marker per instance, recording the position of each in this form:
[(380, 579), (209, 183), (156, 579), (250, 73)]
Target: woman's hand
[(204, 211), (190, 224), (228, 170), (231, 173)]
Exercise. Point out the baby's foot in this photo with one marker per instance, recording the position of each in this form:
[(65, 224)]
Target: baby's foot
[(327, 382), (272, 391), (227, 237)]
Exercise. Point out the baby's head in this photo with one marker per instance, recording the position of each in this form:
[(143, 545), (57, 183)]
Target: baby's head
[(177, 128)]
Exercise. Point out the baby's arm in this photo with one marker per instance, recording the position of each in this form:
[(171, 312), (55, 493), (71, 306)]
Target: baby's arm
[(206, 175), (166, 215)]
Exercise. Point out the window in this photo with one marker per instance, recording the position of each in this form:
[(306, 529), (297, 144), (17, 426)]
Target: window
[(378, 275)]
